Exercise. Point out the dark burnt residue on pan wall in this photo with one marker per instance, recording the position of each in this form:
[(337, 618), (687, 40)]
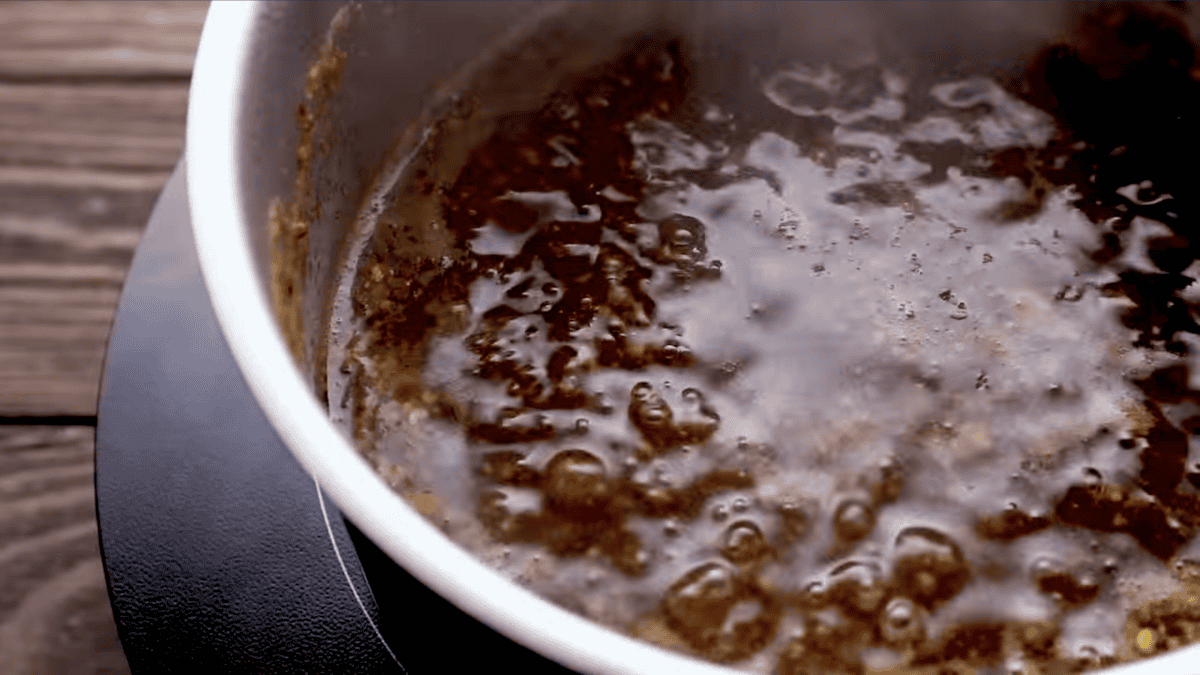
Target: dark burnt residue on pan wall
[(599, 356), (290, 220)]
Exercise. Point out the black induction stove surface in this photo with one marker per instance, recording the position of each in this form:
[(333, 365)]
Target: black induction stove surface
[(220, 550)]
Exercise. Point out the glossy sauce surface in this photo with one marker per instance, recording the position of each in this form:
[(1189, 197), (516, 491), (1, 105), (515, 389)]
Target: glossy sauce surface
[(894, 385)]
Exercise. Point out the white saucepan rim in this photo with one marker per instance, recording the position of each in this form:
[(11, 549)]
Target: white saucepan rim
[(258, 346)]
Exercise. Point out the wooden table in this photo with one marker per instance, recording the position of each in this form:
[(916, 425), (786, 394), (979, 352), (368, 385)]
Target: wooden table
[(93, 98)]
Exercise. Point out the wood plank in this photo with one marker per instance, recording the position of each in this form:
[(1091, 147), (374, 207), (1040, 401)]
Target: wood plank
[(93, 115), (98, 39), (24, 448), (39, 395), (93, 99), (121, 127), (60, 281), (54, 610), (53, 347), (93, 105)]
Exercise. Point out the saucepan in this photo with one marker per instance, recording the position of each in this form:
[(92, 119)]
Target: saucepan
[(299, 111)]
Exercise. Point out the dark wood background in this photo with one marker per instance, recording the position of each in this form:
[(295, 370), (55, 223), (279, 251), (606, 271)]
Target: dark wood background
[(93, 98)]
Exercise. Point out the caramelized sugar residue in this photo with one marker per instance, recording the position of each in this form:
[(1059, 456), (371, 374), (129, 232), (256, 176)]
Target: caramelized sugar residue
[(528, 337)]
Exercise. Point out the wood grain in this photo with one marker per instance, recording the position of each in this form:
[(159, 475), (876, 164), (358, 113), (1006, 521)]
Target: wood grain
[(54, 611), (113, 40), (93, 100)]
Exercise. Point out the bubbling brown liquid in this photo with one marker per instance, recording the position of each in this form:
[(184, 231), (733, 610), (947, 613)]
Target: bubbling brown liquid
[(804, 397)]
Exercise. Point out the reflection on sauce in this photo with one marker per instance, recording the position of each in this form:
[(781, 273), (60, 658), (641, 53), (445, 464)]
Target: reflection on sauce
[(870, 392)]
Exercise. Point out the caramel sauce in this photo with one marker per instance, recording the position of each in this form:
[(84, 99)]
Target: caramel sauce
[(555, 343)]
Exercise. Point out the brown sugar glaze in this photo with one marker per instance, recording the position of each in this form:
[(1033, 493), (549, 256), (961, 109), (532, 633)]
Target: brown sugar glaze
[(537, 334)]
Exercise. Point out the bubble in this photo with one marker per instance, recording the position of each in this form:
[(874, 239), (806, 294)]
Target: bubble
[(720, 512), (577, 485), (1089, 652), (797, 524), (853, 520), (655, 414), (720, 614), (1016, 665), (901, 621), (929, 566), (652, 416), (858, 588), (889, 481), (581, 426), (683, 239), (816, 588), (744, 542), (741, 505), (900, 612)]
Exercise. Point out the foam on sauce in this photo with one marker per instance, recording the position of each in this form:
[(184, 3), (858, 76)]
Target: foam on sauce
[(794, 406)]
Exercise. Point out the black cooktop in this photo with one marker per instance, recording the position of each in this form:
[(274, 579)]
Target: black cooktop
[(221, 552)]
